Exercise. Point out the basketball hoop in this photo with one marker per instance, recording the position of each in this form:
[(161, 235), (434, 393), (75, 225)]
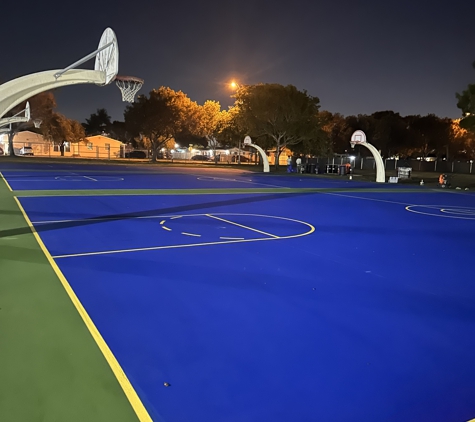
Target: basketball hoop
[(37, 123), (129, 86)]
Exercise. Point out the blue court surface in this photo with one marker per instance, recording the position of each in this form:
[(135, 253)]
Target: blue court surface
[(303, 306), (115, 177)]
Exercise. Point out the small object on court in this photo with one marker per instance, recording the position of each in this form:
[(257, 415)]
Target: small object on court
[(166, 384), (422, 182), (351, 177), (466, 188), (458, 188)]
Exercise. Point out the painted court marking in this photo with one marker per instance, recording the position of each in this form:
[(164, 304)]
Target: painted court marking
[(119, 373), (5, 180), (447, 211), (224, 179), (308, 229), (65, 178)]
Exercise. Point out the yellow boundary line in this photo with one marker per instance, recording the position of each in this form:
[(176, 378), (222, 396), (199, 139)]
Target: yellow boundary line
[(5, 180), (119, 373)]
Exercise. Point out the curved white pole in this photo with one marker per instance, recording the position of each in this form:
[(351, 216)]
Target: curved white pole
[(18, 90), (380, 172), (265, 160)]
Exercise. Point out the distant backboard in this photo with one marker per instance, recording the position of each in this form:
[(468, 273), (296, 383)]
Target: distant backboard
[(358, 137), (247, 140), (107, 59)]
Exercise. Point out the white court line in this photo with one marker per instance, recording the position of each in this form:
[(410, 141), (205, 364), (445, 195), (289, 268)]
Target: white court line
[(156, 248), (171, 217), (367, 199), (213, 179), (87, 177), (244, 227), (310, 230)]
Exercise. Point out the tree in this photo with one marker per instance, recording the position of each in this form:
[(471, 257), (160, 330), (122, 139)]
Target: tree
[(41, 108), (60, 130), (119, 131), (98, 123), (210, 121), (462, 141), (279, 113), (466, 103), (321, 144), (428, 134), (160, 117)]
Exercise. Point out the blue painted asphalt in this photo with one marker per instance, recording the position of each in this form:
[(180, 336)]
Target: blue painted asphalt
[(369, 318), (204, 180), (89, 177)]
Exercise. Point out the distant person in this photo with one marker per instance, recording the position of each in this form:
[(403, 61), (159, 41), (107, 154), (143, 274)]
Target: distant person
[(298, 161), (348, 168), (289, 165)]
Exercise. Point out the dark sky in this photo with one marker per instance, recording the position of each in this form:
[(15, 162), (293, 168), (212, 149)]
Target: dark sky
[(356, 56)]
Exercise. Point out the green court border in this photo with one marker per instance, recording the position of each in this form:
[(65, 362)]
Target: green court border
[(220, 191), (93, 384)]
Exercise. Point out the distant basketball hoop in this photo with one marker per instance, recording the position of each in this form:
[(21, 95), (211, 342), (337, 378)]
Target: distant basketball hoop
[(247, 140), (129, 86), (37, 123), (358, 137)]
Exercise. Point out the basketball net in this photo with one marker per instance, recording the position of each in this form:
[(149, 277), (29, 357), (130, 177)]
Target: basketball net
[(128, 88)]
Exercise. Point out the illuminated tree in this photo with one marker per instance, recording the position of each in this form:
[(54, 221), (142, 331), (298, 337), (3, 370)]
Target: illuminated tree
[(282, 114), (60, 130), (466, 103), (210, 122), (160, 117)]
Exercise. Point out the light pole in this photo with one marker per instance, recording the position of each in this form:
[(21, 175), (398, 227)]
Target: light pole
[(235, 86)]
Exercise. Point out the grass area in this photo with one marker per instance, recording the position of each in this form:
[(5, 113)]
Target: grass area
[(52, 370)]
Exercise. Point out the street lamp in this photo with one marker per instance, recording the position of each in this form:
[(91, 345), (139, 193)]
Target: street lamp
[(235, 86)]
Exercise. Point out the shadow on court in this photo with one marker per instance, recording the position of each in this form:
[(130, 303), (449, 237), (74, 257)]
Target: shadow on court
[(44, 227)]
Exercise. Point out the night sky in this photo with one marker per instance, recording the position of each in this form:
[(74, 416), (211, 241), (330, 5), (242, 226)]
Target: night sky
[(358, 57)]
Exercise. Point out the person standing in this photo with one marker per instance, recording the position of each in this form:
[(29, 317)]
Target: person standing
[(298, 161), (289, 164)]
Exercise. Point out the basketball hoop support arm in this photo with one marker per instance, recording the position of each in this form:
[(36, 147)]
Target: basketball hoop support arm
[(83, 60), (265, 160), (380, 172), (14, 119)]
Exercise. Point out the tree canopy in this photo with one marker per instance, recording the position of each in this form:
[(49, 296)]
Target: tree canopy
[(98, 123), (466, 103), (160, 117), (280, 114)]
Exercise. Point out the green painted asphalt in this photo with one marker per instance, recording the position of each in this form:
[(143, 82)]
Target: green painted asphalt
[(51, 369), (117, 192)]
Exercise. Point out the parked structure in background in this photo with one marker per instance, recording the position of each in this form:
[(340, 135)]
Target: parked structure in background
[(98, 146)]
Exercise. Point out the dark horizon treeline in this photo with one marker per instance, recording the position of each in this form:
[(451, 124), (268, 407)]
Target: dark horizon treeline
[(402, 136)]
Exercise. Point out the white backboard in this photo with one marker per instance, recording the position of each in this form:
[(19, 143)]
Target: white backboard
[(247, 140), (358, 137), (107, 60)]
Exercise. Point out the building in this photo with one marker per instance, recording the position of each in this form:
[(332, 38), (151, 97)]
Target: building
[(21, 139), (98, 146)]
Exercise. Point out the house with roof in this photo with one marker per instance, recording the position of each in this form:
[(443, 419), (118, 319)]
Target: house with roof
[(98, 146)]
